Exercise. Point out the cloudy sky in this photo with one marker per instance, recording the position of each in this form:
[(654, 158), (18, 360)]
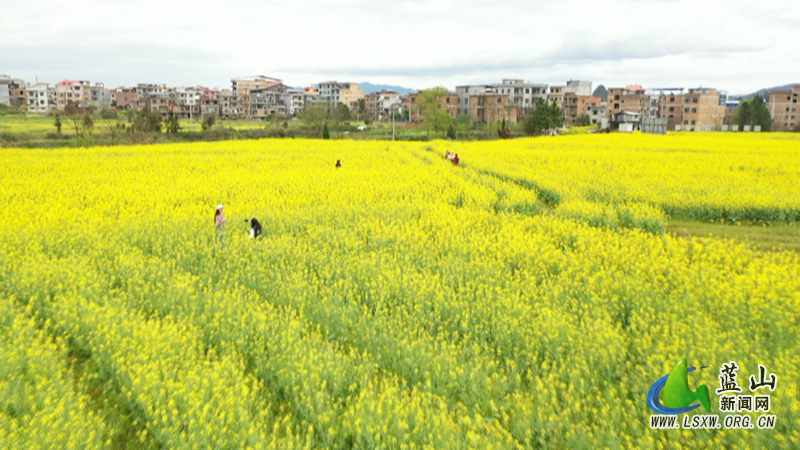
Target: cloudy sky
[(739, 46)]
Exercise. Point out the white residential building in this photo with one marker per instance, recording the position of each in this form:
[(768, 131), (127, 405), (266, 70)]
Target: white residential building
[(38, 97)]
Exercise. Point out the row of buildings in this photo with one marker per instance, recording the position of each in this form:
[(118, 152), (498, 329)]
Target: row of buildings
[(260, 97)]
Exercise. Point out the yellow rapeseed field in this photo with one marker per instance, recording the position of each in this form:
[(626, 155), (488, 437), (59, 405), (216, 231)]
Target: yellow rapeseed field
[(526, 299)]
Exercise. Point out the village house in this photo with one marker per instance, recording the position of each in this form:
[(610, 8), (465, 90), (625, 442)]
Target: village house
[(784, 108)]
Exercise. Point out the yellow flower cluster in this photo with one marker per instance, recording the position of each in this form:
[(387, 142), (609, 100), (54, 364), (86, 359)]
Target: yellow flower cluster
[(525, 299)]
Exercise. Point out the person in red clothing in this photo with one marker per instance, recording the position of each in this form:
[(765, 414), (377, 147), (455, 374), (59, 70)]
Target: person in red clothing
[(456, 159)]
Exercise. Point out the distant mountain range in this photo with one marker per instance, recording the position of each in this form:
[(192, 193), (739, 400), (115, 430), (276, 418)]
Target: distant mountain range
[(370, 88), (764, 93)]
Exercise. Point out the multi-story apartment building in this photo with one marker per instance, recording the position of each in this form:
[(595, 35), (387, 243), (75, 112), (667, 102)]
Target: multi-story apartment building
[(491, 107), (556, 95), (784, 108), (577, 87), (5, 98), (596, 112), (410, 103), (209, 102), (295, 100), (631, 99), (124, 98), (668, 105), (185, 102), (464, 93), (521, 95), (243, 85), (13, 92), (269, 100), (231, 105), (703, 109), (157, 103), (337, 92), (38, 98), (73, 91), (100, 95), (576, 106), (378, 104)]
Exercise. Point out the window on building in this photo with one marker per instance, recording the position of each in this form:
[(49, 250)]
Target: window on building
[(686, 110), (693, 122), (694, 110), (694, 100), (686, 122)]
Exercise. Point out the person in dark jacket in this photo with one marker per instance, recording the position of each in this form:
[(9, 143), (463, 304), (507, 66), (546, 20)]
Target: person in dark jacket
[(255, 227)]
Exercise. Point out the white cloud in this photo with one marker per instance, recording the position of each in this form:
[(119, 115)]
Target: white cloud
[(736, 45)]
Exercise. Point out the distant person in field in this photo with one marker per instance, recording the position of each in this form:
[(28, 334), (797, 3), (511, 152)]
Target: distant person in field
[(456, 159), (255, 227), (450, 155), (338, 163), (219, 222), (447, 154)]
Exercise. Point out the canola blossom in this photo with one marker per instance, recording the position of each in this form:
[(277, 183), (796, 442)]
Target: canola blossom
[(528, 298)]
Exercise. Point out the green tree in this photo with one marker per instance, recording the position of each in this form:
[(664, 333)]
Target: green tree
[(451, 132), (326, 134), (171, 124), (208, 122), (341, 119), (543, 119), (430, 107), (754, 112), (143, 121), (57, 123), (583, 121), (504, 132), (315, 116)]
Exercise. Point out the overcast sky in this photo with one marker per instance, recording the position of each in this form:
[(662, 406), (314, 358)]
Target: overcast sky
[(739, 46)]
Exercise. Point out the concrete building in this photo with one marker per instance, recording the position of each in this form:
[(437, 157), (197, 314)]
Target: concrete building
[(269, 100), (556, 95), (339, 92), (576, 106), (13, 92), (185, 102), (522, 96), (669, 105), (232, 105), (209, 102), (38, 97), (784, 108), (378, 104), (73, 91), (410, 103), (464, 93), (703, 109), (100, 96), (295, 101), (125, 98), (596, 113), (632, 99), (157, 103), (491, 107), (243, 85), (577, 87), (5, 98)]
